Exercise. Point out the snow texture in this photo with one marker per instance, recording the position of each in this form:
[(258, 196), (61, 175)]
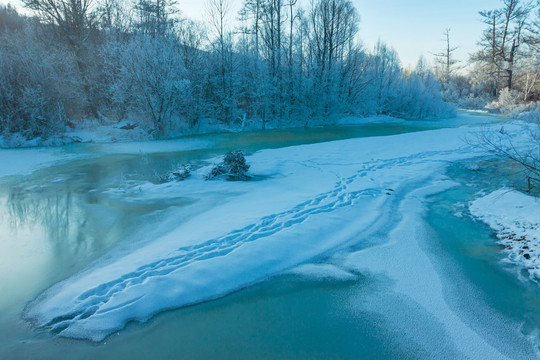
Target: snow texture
[(515, 217), (316, 199), (403, 260), (323, 272)]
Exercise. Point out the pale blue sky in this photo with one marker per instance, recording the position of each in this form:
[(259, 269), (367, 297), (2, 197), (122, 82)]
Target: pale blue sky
[(412, 27), (416, 27)]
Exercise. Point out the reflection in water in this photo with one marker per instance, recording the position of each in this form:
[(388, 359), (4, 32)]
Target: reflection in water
[(44, 231), (56, 221), (68, 204), (52, 212), (71, 225)]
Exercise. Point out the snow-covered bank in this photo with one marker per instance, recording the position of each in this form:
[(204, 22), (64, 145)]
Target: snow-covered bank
[(515, 217), (25, 161), (84, 132), (129, 132)]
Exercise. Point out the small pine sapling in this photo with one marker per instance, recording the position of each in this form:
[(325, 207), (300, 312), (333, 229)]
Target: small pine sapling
[(234, 167)]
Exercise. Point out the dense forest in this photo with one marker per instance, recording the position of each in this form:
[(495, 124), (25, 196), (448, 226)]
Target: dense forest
[(280, 65)]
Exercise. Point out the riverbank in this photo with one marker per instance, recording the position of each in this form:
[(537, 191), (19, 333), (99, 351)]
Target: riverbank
[(515, 217), (126, 131)]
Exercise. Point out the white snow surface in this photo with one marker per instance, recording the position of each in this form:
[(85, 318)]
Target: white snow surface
[(317, 198), (323, 272), (515, 217), (25, 161), (93, 131)]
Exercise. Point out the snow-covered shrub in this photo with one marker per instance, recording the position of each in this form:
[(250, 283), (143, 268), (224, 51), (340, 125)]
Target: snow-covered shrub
[(392, 91), (418, 96), (473, 102), (460, 91), (233, 167), (531, 115), (44, 116), (523, 111), (182, 173), (507, 98)]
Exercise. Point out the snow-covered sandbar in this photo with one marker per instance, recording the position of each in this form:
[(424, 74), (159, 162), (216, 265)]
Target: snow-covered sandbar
[(314, 199)]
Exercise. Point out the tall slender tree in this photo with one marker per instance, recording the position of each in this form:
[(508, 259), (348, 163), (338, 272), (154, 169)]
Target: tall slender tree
[(446, 59)]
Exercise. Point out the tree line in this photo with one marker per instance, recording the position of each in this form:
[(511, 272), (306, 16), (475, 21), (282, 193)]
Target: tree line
[(281, 65)]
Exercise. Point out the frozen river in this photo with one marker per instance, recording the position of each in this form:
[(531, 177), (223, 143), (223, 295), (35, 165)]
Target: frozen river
[(365, 249)]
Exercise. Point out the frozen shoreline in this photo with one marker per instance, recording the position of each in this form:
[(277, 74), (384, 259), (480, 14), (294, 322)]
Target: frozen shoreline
[(111, 139), (25, 161), (515, 217), (94, 132)]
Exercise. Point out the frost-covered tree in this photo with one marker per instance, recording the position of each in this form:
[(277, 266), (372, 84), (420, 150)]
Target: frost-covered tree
[(113, 16), (35, 95), (333, 27), (287, 64), (74, 21), (446, 60), (501, 42), (155, 17), (152, 80), (385, 73)]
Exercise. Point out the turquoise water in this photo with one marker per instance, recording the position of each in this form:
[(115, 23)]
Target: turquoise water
[(59, 219), (472, 253)]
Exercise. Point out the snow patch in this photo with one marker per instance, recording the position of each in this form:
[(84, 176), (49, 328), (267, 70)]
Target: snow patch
[(323, 272), (25, 161), (515, 217), (93, 131)]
